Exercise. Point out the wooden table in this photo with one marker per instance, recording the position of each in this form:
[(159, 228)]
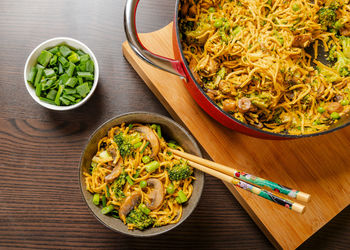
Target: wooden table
[(40, 202)]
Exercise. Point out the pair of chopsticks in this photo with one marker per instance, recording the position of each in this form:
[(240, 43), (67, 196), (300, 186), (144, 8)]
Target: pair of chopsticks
[(247, 181)]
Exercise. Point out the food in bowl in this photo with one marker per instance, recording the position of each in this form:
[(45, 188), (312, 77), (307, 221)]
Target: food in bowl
[(135, 178), (253, 59), (62, 76)]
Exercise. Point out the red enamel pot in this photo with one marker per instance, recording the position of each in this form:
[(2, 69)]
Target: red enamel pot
[(179, 67)]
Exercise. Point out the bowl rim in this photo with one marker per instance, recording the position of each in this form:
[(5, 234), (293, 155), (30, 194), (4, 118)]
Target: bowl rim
[(200, 188), (64, 40)]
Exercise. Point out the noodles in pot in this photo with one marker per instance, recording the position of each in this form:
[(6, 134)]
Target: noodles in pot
[(257, 60)]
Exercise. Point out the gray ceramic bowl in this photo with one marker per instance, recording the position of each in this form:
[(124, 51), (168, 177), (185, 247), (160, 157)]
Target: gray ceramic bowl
[(170, 130)]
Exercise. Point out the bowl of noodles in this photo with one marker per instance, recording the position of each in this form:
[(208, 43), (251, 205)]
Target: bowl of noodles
[(268, 68), (131, 181)]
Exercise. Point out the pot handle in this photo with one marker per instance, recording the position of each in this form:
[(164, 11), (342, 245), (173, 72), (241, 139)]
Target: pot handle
[(170, 65)]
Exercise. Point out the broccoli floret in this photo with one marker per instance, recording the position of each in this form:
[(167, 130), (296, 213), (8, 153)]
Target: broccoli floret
[(179, 171), (332, 55), (345, 42), (139, 219), (126, 142), (118, 185), (342, 64), (328, 16), (328, 73)]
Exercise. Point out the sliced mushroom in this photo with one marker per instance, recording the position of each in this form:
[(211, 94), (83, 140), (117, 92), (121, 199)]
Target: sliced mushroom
[(156, 195), (151, 137), (129, 203), (115, 172)]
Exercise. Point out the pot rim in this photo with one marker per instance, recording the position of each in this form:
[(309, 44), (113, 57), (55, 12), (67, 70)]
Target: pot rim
[(227, 115)]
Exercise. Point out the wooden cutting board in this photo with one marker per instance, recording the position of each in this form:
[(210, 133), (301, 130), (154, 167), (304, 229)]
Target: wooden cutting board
[(319, 166)]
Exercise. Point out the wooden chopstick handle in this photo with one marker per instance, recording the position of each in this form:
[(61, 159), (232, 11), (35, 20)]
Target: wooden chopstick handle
[(246, 177)]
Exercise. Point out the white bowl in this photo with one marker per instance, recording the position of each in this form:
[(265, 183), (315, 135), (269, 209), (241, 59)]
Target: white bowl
[(32, 60)]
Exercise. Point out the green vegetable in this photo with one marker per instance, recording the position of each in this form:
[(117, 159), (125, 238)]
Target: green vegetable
[(74, 57), (47, 100), (65, 101), (38, 89), (321, 109), (63, 61), (129, 180), (86, 75), (218, 23), (295, 7), (144, 209), (327, 17), (222, 73), (96, 199), (71, 82), (345, 42), (107, 210), (181, 197), (52, 94), (49, 72), (124, 146), (54, 50), (211, 9), (159, 131), (107, 192), (44, 58), (53, 60), (152, 166), (170, 189), (236, 31), (344, 102), (143, 184), (104, 201), (83, 89), (70, 69), (118, 185), (180, 171), (335, 115), (65, 51), (32, 74), (39, 74), (89, 66), (139, 219), (342, 65), (146, 159), (137, 145), (137, 174), (328, 73), (172, 145), (144, 147), (58, 95)]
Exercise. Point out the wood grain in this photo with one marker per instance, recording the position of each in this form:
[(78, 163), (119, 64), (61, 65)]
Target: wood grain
[(317, 165), (40, 203)]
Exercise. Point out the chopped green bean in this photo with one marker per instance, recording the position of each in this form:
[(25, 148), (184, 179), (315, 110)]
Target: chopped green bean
[(32, 73), (96, 199), (137, 145), (63, 61), (170, 189), (129, 180), (52, 94), (68, 97), (104, 201), (146, 159), (107, 192), (58, 95), (89, 66), (80, 52), (152, 166), (144, 209), (83, 89), (65, 51), (159, 131), (181, 197), (60, 68), (71, 82), (39, 74), (74, 57), (38, 89), (64, 101), (47, 100), (69, 91), (107, 209), (53, 60), (44, 58), (144, 147), (54, 50), (49, 72), (70, 69), (86, 75)]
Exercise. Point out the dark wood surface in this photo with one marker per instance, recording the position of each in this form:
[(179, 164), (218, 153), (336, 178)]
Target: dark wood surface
[(40, 202)]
